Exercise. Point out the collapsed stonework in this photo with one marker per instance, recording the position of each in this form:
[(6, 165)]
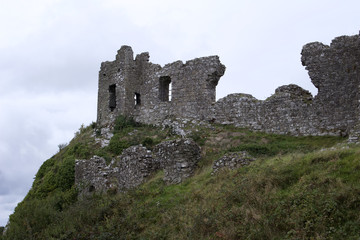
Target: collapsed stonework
[(151, 93), (232, 160), (178, 158)]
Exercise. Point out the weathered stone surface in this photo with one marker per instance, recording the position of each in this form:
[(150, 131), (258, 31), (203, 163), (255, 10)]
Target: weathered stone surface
[(178, 158), (94, 175), (333, 69), (151, 93), (134, 164), (141, 89), (232, 161), (128, 170)]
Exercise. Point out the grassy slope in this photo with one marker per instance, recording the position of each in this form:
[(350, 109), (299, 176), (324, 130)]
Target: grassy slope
[(293, 191)]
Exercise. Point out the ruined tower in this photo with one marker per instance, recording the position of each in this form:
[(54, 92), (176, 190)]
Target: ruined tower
[(151, 93)]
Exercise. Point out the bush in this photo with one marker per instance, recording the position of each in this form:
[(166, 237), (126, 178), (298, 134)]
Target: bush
[(148, 142), (80, 150), (117, 145), (61, 146), (93, 125)]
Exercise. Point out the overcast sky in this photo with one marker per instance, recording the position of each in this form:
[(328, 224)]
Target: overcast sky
[(51, 51)]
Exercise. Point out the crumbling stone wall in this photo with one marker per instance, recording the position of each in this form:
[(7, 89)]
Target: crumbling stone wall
[(288, 111), (178, 158), (333, 69), (151, 93), (134, 165), (232, 160), (94, 175), (142, 90)]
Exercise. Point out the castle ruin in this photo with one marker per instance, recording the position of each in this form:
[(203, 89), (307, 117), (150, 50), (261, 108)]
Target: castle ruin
[(151, 93)]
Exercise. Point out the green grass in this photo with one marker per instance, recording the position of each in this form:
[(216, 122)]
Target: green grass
[(298, 188)]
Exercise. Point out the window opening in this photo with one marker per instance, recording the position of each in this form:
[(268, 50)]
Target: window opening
[(165, 88), (112, 97), (137, 99), (170, 89)]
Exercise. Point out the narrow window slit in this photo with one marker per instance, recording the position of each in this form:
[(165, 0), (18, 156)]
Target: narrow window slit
[(112, 97), (165, 89), (137, 99)]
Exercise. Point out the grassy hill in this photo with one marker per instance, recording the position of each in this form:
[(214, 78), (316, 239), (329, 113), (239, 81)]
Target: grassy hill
[(298, 188)]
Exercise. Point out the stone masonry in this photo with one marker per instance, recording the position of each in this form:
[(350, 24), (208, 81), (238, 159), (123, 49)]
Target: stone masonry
[(333, 69), (232, 160), (178, 158), (151, 93)]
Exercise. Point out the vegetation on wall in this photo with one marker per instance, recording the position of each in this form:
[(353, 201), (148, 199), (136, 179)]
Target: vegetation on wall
[(298, 188)]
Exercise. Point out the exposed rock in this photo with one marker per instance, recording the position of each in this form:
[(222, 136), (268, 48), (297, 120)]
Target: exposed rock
[(105, 136), (232, 161)]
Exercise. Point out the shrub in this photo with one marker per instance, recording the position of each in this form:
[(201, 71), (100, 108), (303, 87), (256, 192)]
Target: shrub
[(61, 146), (93, 125), (148, 142), (117, 145)]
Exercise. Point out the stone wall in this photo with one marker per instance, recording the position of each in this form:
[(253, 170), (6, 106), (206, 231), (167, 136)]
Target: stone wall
[(232, 160), (288, 111), (151, 93), (178, 158), (333, 69), (94, 175), (142, 90)]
